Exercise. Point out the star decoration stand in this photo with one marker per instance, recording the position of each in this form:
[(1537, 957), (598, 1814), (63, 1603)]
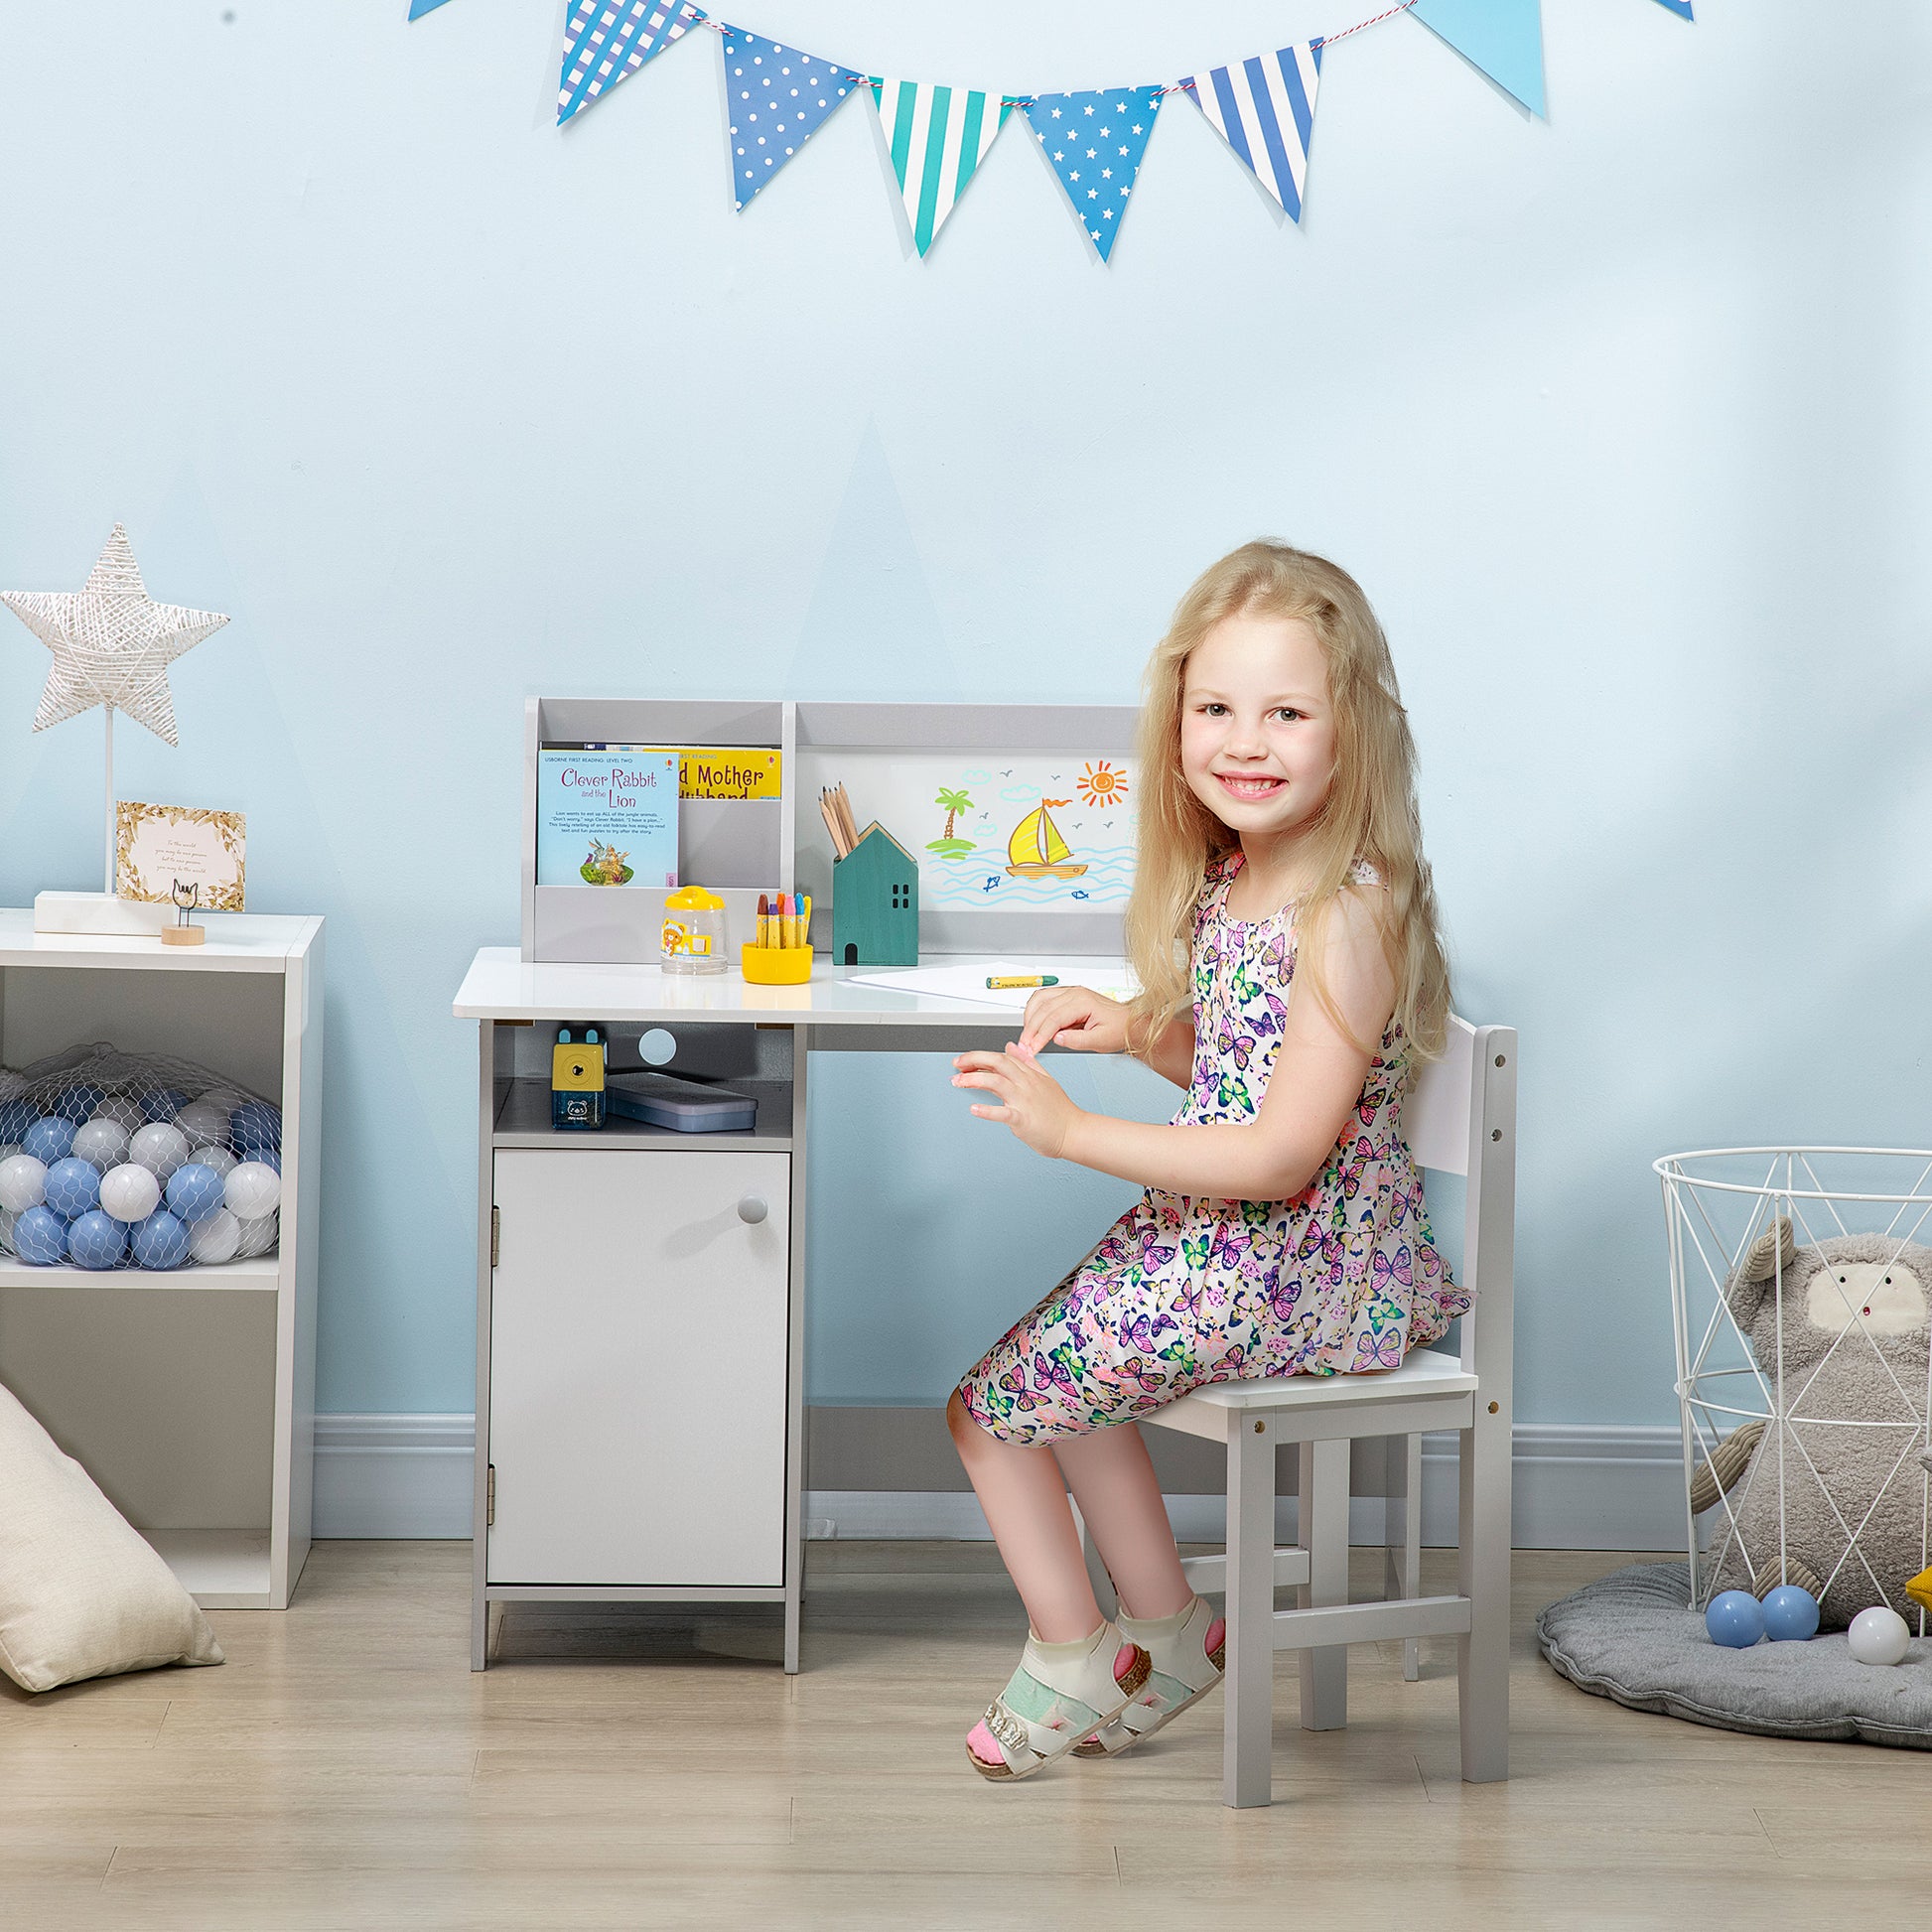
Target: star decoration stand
[(112, 645)]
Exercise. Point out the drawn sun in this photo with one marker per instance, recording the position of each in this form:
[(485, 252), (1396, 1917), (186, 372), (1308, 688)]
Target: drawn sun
[(1102, 784)]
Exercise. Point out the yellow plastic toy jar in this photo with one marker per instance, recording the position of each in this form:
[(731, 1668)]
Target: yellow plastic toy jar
[(694, 931)]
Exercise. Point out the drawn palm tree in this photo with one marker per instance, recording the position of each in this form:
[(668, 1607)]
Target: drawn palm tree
[(952, 802)]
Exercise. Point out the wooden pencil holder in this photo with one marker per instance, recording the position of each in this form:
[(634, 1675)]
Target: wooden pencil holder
[(775, 965), (876, 903)]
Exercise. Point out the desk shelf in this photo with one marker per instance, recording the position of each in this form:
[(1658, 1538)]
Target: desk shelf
[(523, 1120), (265, 1272)]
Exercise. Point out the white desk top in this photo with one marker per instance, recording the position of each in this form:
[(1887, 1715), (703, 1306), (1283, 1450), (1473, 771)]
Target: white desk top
[(501, 985), (237, 942)]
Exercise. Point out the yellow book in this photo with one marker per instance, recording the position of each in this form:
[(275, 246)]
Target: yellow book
[(726, 771)]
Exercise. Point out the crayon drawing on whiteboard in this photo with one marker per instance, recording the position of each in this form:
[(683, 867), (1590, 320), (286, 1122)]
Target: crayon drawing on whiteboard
[(1054, 834)]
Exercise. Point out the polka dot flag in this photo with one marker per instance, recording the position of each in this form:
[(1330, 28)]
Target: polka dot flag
[(775, 97), (1095, 142)]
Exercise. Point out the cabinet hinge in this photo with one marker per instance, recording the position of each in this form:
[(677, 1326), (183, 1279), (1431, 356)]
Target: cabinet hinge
[(495, 1234), (489, 1498)]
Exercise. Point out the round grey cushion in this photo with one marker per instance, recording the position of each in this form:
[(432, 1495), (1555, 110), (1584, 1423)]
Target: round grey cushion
[(1634, 1637)]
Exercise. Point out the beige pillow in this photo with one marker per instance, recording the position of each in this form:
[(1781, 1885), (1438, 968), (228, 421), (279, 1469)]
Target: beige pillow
[(82, 1594)]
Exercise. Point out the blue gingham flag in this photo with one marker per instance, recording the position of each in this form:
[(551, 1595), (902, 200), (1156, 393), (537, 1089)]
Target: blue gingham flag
[(1264, 110), (775, 97), (607, 41), (1095, 143)]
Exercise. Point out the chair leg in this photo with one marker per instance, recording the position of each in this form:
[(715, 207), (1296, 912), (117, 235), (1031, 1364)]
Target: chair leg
[(1403, 1532), (1248, 1722), (1482, 1657), (1323, 1533)]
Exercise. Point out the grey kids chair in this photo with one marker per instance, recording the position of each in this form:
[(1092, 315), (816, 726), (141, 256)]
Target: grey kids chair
[(1459, 1118)]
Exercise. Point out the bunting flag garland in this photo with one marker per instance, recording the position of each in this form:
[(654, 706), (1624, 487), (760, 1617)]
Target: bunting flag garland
[(938, 137), (607, 41), (1264, 110), (1095, 142), (1504, 38), (777, 98), (1262, 107)]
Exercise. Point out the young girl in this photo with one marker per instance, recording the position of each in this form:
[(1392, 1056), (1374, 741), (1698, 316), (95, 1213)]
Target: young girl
[(1283, 927)]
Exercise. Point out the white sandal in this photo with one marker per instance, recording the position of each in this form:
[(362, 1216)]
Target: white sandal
[(1188, 1657), (1059, 1693)]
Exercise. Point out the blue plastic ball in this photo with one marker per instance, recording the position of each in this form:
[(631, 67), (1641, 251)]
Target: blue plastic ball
[(97, 1240), (161, 1241), (72, 1187), (194, 1192), (77, 1104), (16, 1116), (1735, 1620), (164, 1105), (50, 1139), (1790, 1614), (255, 1130), (40, 1236)]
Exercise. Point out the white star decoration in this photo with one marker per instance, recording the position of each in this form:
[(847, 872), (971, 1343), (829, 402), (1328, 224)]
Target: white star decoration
[(111, 642)]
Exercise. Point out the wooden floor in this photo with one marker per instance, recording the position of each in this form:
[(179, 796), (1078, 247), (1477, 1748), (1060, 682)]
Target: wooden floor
[(345, 1769)]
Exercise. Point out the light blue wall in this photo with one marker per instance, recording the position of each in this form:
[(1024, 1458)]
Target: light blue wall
[(1622, 420)]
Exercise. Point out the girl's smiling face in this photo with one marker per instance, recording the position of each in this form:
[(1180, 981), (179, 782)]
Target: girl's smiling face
[(1257, 728)]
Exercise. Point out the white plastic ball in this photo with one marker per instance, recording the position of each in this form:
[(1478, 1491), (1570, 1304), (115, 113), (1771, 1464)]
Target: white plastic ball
[(251, 1190), (7, 1221), (205, 1120), (129, 1193), (222, 1160), (1879, 1636), (215, 1240), (159, 1147), (121, 1109), (23, 1183), (257, 1237), (101, 1140)]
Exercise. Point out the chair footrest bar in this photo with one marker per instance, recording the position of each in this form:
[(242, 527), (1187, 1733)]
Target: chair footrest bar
[(1211, 1572), (1408, 1617)]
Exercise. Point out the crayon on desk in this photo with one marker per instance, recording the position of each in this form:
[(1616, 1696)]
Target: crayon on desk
[(1024, 979)]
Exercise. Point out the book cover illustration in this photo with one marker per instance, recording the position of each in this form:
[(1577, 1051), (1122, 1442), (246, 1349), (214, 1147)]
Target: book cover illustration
[(607, 817)]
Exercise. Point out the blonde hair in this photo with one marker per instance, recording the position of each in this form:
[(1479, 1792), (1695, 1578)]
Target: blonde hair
[(1370, 811)]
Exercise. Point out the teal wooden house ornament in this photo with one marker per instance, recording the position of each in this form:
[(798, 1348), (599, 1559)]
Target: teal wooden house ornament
[(876, 903)]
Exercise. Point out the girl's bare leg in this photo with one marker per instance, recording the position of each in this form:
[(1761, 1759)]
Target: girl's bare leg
[(1112, 1479), (1023, 1494)]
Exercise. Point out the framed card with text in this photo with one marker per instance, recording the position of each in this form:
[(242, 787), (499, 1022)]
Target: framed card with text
[(172, 855)]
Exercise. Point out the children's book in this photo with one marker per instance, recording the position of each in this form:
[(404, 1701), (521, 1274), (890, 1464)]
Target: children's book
[(607, 817), (718, 771)]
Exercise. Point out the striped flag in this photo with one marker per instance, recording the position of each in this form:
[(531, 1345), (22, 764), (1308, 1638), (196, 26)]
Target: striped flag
[(1264, 110), (607, 41), (1095, 142), (938, 136)]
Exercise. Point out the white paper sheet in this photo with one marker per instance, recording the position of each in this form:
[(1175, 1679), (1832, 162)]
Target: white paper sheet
[(1113, 977)]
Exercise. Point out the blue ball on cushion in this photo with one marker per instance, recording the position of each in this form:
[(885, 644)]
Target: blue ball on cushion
[(1790, 1614), (1735, 1620)]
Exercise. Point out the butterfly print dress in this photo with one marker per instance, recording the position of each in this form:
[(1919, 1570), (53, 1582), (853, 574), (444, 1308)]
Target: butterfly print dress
[(1184, 1291)]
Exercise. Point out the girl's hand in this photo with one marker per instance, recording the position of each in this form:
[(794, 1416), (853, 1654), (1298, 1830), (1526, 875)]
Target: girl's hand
[(1076, 1016), (1029, 1100)]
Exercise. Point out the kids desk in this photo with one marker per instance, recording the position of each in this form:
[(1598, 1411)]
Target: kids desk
[(640, 1292)]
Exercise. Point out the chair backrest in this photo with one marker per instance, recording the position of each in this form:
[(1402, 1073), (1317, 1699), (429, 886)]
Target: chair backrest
[(1459, 1117)]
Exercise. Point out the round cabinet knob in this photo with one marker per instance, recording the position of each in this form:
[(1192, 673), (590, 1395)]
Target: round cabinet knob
[(751, 1209)]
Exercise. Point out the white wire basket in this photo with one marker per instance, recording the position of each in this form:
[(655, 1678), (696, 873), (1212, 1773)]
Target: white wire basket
[(1799, 1299)]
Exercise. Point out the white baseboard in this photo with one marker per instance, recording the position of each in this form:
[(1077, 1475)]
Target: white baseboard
[(1587, 1486)]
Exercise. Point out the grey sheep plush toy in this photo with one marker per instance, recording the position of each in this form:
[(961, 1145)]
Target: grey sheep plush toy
[(1856, 1338)]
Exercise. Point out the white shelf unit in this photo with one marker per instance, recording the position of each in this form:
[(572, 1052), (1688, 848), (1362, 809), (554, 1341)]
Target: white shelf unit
[(188, 1395)]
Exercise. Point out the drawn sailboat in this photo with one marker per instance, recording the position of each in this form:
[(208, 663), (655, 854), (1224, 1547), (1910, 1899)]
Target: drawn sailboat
[(1037, 850)]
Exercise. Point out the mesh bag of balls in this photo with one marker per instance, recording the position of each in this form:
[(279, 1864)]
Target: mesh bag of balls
[(111, 1159)]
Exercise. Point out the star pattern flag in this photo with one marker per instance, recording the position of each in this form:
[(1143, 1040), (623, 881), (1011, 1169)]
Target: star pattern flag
[(776, 98), (1504, 38), (1264, 110), (938, 137), (1095, 142), (607, 41)]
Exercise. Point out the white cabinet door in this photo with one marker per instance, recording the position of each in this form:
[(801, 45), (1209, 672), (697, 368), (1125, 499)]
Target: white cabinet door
[(637, 1344)]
